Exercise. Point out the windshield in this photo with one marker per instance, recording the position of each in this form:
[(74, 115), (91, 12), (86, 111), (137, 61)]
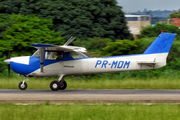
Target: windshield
[(37, 54)]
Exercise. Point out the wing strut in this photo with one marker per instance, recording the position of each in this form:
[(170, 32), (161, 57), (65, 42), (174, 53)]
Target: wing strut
[(41, 59), (69, 41)]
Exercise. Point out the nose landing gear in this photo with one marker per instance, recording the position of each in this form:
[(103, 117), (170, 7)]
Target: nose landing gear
[(23, 84)]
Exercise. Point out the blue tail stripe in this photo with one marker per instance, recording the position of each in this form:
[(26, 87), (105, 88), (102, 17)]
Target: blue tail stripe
[(162, 44)]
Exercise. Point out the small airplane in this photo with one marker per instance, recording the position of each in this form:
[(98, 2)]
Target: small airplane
[(71, 61)]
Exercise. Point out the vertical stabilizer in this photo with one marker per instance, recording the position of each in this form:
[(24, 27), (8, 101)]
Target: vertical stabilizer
[(162, 44)]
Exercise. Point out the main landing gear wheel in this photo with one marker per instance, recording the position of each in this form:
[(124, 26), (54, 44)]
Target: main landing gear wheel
[(22, 86), (63, 85), (54, 85)]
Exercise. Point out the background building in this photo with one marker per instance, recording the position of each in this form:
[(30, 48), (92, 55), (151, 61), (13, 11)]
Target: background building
[(136, 22), (176, 21)]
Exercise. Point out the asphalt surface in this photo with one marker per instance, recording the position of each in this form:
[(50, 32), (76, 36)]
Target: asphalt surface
[(94, 95)]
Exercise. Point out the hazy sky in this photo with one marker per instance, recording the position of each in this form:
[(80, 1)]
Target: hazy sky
[(135, 5)]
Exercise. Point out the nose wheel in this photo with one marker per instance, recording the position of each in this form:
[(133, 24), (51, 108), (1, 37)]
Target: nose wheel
[(23, 84)]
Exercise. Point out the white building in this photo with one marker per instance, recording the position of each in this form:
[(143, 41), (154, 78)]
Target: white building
[(136, 22)]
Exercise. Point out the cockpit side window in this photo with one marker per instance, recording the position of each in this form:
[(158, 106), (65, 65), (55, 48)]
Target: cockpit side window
[(53, 55)]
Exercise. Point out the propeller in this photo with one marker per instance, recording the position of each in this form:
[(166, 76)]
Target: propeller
[(8, 61), (9, 57)]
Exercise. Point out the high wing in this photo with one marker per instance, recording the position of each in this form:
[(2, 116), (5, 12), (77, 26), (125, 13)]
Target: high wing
[(59, 48)]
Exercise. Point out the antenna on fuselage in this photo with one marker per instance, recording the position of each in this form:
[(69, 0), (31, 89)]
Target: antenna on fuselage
[(69, 41)]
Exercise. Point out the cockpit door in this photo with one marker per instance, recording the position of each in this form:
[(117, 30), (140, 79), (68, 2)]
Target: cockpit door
[(53, 63)]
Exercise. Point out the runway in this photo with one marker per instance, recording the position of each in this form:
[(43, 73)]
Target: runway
[(94, 95)]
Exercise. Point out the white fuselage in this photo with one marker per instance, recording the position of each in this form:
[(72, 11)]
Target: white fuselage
[(101, 65)]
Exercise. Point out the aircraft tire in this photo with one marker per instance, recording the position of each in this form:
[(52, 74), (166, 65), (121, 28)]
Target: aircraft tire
[(21, 86), (54, 86), (63, 86)]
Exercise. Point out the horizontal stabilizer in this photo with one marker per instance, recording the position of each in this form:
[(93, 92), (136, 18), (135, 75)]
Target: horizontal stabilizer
[(146, 62)]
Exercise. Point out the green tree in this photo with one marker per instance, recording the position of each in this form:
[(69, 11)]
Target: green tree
[(25, 30), (4, 23), (121, 47), (175, 14), (81, 18), (93, 45), (156, 30)]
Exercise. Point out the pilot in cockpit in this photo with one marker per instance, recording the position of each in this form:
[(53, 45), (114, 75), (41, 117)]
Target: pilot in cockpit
[(59, 56)]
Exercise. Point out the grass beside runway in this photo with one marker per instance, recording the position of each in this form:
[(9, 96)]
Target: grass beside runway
[(76, 83), (48, 111)]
